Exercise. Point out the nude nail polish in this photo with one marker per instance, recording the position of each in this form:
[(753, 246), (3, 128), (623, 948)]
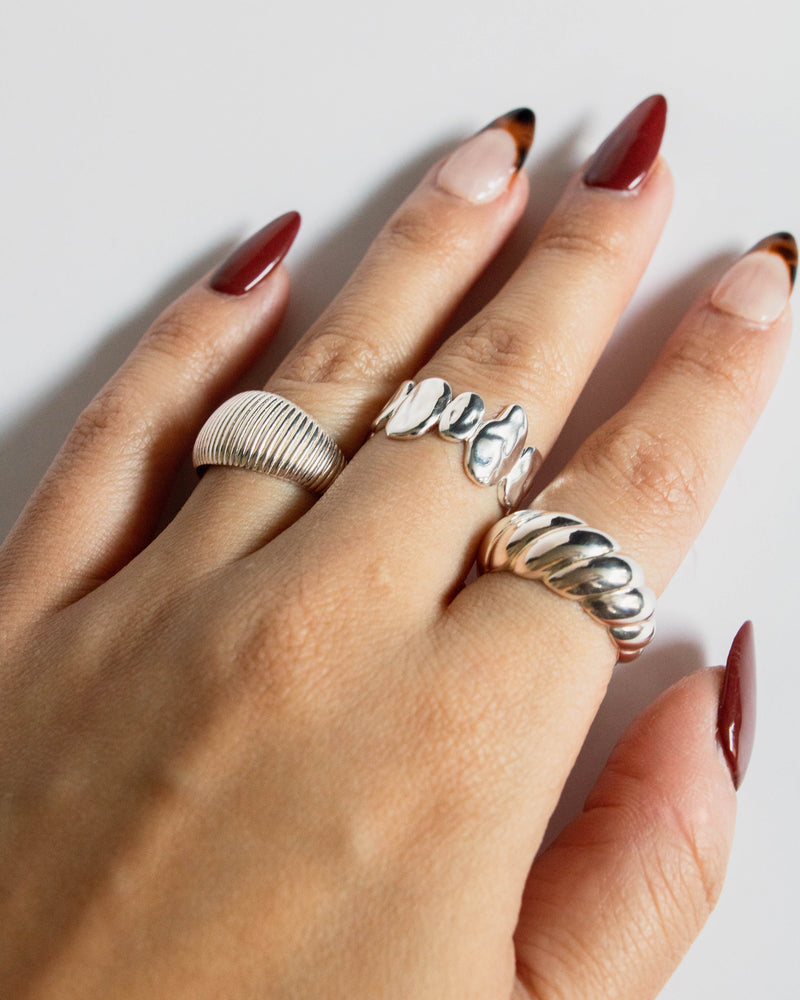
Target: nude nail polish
[(757, 287), (254, 259), (624, 159), (481, 168), (736, 716)]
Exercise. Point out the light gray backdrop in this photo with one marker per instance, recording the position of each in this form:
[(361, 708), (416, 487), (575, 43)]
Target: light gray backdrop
[(141, 141)]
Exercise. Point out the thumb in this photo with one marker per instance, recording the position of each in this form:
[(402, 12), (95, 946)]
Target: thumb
[(611, 907)]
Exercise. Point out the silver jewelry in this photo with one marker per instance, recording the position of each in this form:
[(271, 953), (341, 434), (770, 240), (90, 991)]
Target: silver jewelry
[(579, 563), (494, 448), (266, 433)]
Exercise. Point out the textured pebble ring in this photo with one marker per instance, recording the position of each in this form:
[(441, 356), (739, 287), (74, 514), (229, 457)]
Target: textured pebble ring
[(579, 563), (266, 433), (494, 447)]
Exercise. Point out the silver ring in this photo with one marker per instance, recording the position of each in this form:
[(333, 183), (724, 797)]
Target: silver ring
[(266, 433), (579, 563), (494, 448)]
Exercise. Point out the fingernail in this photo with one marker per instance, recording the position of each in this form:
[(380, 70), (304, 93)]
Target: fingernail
[(736, 718), (481, 168), (623, 161), (251, 262), (757, 287)]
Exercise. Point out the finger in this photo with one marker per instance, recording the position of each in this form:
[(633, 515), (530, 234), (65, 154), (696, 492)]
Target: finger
[(380, 327), (648, 478), (613, 904), (535, 344), (654, 471), (101, 498)]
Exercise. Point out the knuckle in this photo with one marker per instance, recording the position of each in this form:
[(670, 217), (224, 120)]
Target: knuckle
[(574, 238), (109, 418), (551, 959), (341, 352), (683, 883), (493, 339), (670, 891), (181, 335), (416, 229), (660, 471), (679, 856), (733, 377), (521, 363)]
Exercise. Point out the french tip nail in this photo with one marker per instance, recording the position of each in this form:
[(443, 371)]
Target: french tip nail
[(257, 257), (757, 286), (624, 159), (521, 124), (784, 245), (482, 168), (737, 704)]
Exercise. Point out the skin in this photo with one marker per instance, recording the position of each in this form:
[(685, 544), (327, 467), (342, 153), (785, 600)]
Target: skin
[(295, 757)]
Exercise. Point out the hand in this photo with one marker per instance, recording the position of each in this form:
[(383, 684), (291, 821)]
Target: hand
[(281, 750)]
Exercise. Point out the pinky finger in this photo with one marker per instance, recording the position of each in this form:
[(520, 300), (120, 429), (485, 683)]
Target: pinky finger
[(102, 497), (613, 904)]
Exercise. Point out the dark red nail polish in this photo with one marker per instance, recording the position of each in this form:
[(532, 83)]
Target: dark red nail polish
[(736, 718), (251, 262), (520, 124), (784, 245), (624, 159)]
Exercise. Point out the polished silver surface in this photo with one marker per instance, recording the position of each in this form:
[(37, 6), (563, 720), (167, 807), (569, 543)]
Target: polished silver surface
[(419, 409), (632, 639), (596, 576), (397, 398), (494, 448), (505, 541), (637, 631), (579, 563), (266, 433), (559, 548), (462, 417), (622, 607), (512, 489), (493, 550)]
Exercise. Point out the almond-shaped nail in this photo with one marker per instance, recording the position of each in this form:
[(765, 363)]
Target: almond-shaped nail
[(757, 287), (254, 259), (481, 168), (736, 718), (624, 159)]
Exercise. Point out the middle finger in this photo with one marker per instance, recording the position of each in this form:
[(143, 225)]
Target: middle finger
[(535, 344)]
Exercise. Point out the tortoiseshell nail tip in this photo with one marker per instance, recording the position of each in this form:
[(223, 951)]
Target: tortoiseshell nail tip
[(520, 123), (784, 245)]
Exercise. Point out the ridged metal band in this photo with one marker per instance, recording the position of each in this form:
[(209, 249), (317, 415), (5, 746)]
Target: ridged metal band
[(494, 448), (266, 433), (579, 563)]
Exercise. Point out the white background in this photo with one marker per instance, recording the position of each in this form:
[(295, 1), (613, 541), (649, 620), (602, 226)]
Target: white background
[(141, 141)]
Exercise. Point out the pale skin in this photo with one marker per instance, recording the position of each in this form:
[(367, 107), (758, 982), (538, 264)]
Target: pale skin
[(278, 751)]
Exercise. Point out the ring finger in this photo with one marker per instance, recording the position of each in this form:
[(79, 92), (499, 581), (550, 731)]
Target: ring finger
[(649, 477)]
